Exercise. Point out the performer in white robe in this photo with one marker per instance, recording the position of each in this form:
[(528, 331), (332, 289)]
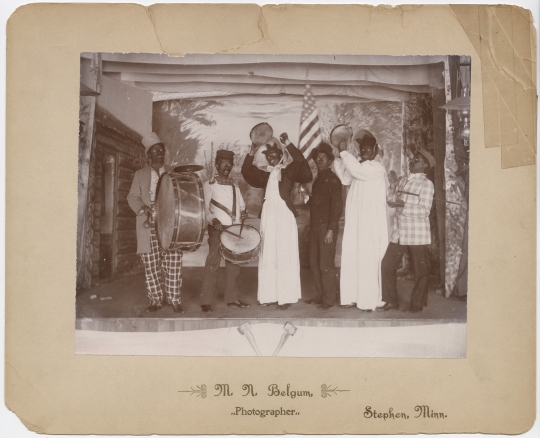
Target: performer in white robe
[(279, 261), (365, 237)]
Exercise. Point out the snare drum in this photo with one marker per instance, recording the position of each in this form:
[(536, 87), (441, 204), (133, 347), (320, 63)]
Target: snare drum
[(180, 211), (240, 250)]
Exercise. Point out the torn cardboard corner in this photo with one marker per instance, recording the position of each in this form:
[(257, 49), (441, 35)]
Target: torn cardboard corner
[(504, 38)]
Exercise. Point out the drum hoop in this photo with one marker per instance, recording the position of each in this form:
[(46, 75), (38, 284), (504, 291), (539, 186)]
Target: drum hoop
[(176, 210), (158, 189), (256, 251), (234, 255), (185, 246), (245, 226)]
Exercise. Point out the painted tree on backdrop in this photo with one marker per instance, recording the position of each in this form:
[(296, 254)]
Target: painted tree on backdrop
[(418, 126), (178, 123)]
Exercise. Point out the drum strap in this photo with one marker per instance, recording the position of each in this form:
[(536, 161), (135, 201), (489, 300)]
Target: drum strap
[(232, 213), (222, 207), (233, 202)]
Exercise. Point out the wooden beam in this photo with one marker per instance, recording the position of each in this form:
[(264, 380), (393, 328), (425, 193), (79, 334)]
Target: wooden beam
[(439, 149)]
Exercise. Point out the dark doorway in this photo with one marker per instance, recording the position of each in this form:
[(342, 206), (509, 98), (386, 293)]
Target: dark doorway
[(107, 238)]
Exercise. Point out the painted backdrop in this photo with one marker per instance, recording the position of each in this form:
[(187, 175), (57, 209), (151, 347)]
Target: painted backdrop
[(193, 130)]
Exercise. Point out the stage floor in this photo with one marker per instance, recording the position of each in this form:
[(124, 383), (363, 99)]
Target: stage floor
[(120, 306)]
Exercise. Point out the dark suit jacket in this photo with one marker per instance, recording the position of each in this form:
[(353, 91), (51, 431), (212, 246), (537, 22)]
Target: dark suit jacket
[(298, 171)]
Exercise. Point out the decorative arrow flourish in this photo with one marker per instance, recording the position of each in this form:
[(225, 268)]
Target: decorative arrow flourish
[(200, 391), (326, 390)]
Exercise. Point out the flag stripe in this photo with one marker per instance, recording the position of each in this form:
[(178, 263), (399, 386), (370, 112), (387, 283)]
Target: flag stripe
[(313, 144), (310, 131), (309, 143), (306, 147), (309, 120)]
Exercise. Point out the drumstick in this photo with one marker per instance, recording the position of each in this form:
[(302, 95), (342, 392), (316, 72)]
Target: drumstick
[(230, 232), (435, 199), (242, 226), (408, 193), (448, 202)]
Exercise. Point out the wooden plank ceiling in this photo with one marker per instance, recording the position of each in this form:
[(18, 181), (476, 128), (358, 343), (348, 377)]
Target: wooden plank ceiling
[(360, 78)]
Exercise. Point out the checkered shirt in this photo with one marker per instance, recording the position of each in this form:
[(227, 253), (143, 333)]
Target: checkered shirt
[(411, 224)]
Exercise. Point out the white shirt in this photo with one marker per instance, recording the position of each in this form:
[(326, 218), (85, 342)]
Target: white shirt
[(154, 178), (223, 193)]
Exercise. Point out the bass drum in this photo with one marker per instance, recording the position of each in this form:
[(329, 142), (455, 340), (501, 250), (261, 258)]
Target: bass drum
[(180, 211), (240, 250)]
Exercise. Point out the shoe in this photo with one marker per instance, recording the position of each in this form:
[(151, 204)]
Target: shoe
[(267, 304), (238, 304), (177, 308), (347, 306), (325, 306), (206, 308), (283, 306), (387, 306), (414, 310), (153, 307), (366, 310), (314, 301)]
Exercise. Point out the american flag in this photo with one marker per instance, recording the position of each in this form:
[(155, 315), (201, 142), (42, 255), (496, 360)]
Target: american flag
[(310, 131)]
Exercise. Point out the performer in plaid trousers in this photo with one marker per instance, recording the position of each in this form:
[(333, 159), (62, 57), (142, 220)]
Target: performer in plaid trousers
[(411, 232), (141, 198)]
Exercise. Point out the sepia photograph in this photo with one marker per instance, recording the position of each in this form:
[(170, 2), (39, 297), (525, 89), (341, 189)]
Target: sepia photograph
[(273, 205), (266, 219)]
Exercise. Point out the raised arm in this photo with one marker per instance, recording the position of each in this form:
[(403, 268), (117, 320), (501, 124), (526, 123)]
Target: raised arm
[(367, 171), (341, 171), (253, 176), (300, 170)]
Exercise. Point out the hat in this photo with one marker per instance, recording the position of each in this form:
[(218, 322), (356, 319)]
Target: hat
[(261, 158), (428, 156), (150, 140), (224, 153), (272, 149), (323, 147), (364, 136)]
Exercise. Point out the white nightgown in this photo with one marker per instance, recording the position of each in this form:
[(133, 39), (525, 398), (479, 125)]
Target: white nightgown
[(279, 261)]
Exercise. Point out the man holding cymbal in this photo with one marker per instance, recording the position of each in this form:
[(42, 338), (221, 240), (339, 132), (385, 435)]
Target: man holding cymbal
[(280, 165)]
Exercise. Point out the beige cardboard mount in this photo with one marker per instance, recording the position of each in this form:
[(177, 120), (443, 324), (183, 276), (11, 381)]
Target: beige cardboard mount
[(54, 391)]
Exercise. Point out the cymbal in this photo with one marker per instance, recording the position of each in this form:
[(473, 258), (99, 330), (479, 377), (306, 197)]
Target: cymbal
[(340, 133), (188, 168), (261, 133)]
